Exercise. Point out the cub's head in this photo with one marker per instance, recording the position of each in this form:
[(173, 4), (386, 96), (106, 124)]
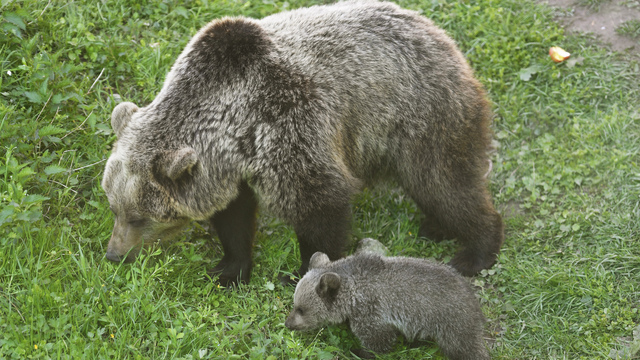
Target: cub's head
[(316, 299), (135, 183)]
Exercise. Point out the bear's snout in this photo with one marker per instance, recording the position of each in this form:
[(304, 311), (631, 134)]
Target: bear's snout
[(125, 242), (111, 256), (290, 323)]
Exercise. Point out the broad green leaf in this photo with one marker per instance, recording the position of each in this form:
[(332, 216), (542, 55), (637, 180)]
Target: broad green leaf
[(33, 96), (30, 199), (525, 74), (11, 28), (181, 11), (49, 130), (24, 172), (5, 213), (95, 204), (15, 19), (54, 169)]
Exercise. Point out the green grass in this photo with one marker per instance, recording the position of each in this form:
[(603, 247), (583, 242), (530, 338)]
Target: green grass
[(567, 284), (630, 3), (629, 28), (593, 4)]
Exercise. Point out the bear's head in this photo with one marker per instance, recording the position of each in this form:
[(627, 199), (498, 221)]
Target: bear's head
[(135, 182), (316, 299)]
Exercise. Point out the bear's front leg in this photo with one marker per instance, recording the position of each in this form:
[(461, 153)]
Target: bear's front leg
[(236, 228), (324, 229)]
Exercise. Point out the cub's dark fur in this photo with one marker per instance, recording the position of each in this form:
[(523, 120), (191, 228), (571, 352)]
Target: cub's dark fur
[(297, 112), (383, 297)]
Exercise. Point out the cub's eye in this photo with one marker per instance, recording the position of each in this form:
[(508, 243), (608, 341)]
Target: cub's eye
[(300, 311)]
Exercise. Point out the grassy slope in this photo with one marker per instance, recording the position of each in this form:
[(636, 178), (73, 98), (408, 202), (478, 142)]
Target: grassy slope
[(566, 171)]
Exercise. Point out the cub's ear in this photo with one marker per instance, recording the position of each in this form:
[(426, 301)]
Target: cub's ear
[(328, 286), (371, 246), (319, 260), (121, 116), (180, 162)]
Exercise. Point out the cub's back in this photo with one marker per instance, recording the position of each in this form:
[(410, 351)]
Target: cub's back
[(417, 296), (424, 279)]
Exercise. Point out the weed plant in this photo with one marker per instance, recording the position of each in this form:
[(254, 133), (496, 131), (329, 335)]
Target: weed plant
[(593, 4), (629, 28), (566, 177)]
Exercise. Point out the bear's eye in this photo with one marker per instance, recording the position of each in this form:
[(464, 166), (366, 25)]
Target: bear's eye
[(137, 222), (300, 311)]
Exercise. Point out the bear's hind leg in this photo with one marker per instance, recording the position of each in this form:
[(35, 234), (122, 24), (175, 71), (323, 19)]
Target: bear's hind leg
[(480, 233), (236, 228), (430, 228), (462, 210), (463, 343)]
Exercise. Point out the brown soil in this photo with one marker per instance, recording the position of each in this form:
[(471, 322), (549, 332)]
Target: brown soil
[(601, 21)]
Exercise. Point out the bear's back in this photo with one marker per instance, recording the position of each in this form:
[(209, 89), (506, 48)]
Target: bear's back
[(362, 42), (384, 75)]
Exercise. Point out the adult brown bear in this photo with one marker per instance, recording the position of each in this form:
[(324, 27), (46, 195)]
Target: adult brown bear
[(297, 112)]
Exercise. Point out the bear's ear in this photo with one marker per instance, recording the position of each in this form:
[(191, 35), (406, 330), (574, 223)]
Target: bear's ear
[(319, 260), (121, 116), (180, 162), (328, 286)]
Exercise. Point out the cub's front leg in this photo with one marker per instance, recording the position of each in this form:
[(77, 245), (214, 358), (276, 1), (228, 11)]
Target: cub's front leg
[(374, 338)]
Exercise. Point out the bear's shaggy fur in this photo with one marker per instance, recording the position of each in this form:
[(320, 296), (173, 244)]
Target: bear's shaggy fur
[(297, 112), (383, 297)]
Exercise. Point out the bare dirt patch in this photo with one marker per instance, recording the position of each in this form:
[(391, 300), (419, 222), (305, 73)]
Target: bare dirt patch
[(602, 21)]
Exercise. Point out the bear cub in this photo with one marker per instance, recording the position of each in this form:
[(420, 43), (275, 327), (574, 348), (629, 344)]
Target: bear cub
[(383, 297)]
